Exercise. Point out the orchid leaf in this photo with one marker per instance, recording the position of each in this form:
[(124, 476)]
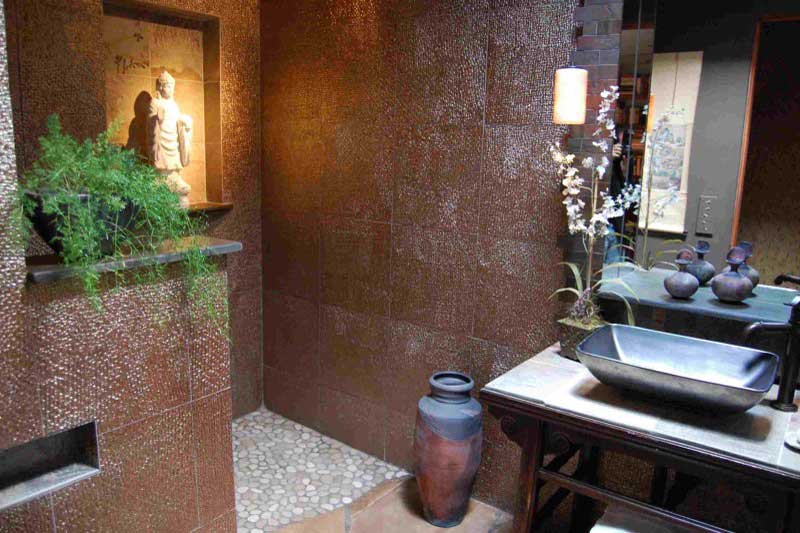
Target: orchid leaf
[(623, 246), (667, 264), (576, 273), (616, 281), (571, 290), (628, 308), (620, 264), (666, 252)]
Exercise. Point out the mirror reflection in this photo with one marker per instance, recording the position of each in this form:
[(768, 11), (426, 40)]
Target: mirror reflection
[(706, 125)]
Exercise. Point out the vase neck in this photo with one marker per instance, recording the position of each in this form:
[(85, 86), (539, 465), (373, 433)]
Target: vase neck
[(451, 387)]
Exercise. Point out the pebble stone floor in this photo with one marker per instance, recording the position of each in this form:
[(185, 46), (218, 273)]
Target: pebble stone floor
[(286, 472)]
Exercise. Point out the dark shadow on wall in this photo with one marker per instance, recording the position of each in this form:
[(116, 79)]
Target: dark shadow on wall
[(137, 129)]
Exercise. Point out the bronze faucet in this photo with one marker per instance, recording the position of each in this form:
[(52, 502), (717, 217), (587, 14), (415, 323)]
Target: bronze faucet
[(790, 359)]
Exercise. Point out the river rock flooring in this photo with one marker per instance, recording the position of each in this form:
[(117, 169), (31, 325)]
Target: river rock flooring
[(286, 472)]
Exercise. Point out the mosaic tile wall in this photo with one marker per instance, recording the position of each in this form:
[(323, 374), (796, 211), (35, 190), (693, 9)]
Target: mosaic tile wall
[(158, 383), (411, 216), (58, 65)]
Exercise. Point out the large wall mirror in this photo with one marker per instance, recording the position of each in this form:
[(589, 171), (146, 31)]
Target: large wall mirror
[(708, 121)]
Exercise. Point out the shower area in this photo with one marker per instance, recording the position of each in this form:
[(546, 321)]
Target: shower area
[(375, 180)]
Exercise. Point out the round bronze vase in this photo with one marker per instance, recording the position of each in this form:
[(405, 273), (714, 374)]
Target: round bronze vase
[(682, 284), (447, 447), (731, 286), (700, 268)]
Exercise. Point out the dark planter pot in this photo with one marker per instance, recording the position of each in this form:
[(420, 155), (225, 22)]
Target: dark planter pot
[(571, 333), (447, 447), (47, 225)]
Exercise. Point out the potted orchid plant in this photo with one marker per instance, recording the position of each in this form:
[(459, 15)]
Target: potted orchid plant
[(589, 209)]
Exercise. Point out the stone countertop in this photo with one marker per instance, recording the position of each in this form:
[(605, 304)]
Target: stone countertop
[(48, 268), (552, 382), (766, 305)]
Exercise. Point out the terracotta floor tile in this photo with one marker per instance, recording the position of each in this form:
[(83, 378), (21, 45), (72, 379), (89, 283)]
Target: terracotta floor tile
[(400, 511), (333, 522), (378, 493)]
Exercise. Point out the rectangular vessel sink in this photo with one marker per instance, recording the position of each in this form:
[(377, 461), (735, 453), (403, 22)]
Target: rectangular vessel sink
[(694, 372)]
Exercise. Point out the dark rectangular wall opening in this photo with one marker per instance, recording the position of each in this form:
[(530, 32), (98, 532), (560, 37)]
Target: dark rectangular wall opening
[(44, 465)]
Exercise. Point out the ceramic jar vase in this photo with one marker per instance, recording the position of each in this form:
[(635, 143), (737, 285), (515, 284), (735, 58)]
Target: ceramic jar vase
[(730, 285), (746, 270), (682, 284), (699, 267), (447, 447)]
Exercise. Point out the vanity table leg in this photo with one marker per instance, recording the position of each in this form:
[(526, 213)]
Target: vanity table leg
[(588, 462), (792, 521), (658, 488), (531, 440)]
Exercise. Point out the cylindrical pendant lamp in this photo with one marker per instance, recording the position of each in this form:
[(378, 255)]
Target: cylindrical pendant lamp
[(569, 95)]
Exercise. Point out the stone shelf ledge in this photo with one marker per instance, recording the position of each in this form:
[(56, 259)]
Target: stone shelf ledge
[(210, 207), (48, 268)]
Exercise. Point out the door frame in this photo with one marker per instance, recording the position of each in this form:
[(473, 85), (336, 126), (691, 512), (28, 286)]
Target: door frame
[(737, 207)]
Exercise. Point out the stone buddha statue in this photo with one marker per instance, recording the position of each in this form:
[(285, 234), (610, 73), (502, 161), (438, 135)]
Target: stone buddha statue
[(169, 137)]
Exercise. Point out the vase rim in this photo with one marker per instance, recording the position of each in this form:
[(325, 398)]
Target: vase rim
[(451, 381)]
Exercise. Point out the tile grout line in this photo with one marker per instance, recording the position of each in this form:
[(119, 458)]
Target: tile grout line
[(194, 465), (481, 178), (348, 518), (392, 237), (159, 413), (320, 262), (51, 501)]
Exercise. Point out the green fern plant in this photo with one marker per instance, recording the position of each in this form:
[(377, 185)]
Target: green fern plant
[(87, 188)]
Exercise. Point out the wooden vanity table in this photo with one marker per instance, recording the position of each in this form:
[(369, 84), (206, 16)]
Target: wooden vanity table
[(552, 405)]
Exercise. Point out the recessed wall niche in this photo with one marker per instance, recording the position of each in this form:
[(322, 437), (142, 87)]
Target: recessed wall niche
[(138, 45)]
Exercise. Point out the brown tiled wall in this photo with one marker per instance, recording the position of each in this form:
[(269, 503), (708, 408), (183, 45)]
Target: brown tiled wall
[(56, 59), (410, 210), (162, 401), (158, 383)]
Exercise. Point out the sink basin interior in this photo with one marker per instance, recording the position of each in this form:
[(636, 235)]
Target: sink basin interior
[(687, 357)]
